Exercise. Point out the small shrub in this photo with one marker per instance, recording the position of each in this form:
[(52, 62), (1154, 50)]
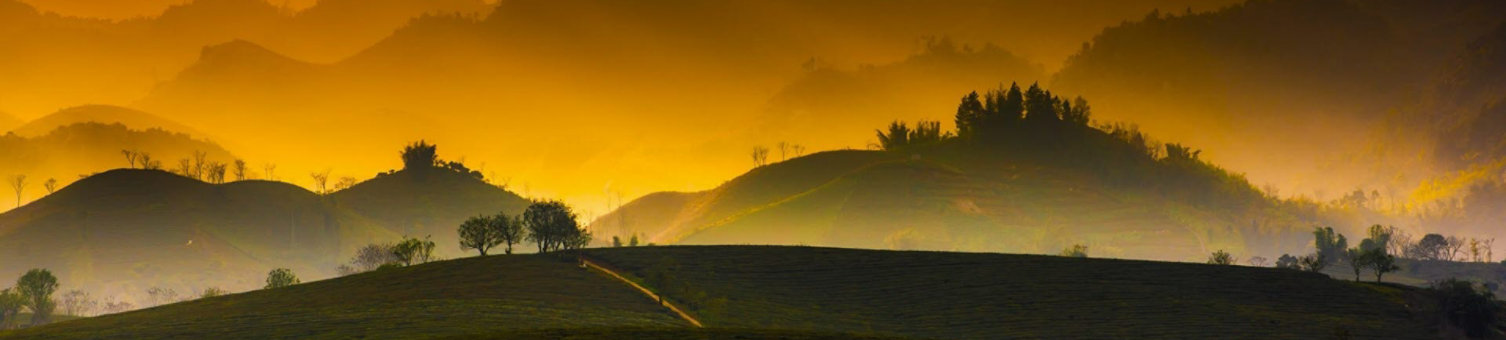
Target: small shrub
[(1076, 250)]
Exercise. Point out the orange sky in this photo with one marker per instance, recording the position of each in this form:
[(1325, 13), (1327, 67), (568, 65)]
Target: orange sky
[(586, 101)]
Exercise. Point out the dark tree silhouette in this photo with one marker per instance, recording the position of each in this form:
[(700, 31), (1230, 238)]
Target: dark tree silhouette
[(1221, 257), (509, 229), (413, 250), (1381, 263), (477, 233), (1432, 247), (37, 286), (1331, 245), (18, 183), (420, 156), (552, 226), (11, 302), (281, 277)]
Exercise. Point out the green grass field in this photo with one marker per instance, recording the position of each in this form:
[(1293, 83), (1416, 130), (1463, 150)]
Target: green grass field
[(470, 296), (763, 292), (963, 295)]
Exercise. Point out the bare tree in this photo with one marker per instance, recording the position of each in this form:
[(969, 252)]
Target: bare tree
[(215, 173), (158, 296), (1455, 248), (345, 183), (185, 168), (371, 257), (784, 150), (145, 161), (270, 170), (19, 184), (130, 156), (110, 306), (760, 156), (238, 169), (51, 185), (200, 165), (77, 303), (321, 181), (1258, 261), (798, 149)]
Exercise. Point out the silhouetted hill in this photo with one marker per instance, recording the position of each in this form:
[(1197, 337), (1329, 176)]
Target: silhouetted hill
[(534, 59), (668, 217), (103, 114), (793, 293), (59, 61), (120, 232), (1258, 84), (8, 122), (70, 152), (957, 197), (915, 88), (430, 203)]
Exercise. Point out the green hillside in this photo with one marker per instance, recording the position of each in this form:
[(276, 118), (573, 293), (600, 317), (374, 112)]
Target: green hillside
[(961, 295), (465, 297), (121, 232), (1086, 186), (791, 292), (431, 203)]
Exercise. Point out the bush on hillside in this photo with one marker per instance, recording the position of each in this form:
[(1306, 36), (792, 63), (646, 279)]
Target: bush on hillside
[(1466, 305)]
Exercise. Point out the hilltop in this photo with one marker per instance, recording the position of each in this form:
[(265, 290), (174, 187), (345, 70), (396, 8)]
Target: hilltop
[(793, 292), (120, 232), (8, 122), (1024, 181), (1257, 84), (428, 203), (59, 61), (74, 151), (102, 114)]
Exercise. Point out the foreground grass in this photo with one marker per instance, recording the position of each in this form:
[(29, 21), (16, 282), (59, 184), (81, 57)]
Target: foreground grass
[(491, 296), (753, 292), (960, 295)]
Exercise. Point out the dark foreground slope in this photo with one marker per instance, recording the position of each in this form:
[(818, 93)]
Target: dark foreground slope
[(462, 297), (790, 292), (967, 295)]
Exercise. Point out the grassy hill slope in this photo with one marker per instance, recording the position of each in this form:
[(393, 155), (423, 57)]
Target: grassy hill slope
[(789, 292), (959, 198), (120, 232), (963, 295), (431, 203), (497, 295), (72, 151)]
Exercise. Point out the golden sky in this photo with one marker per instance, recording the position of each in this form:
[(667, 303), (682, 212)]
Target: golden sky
[(590, 101)]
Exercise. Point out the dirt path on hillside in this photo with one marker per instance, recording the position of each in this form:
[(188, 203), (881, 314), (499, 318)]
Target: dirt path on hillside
[(588, 263)]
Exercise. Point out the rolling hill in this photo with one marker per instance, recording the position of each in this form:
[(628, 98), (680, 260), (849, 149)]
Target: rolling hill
[(121, 232), (1090, 188), (408, 85), (103, 114), (1258, 83), (431, 203), (792, 292), (8, 122), (71, 152)]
